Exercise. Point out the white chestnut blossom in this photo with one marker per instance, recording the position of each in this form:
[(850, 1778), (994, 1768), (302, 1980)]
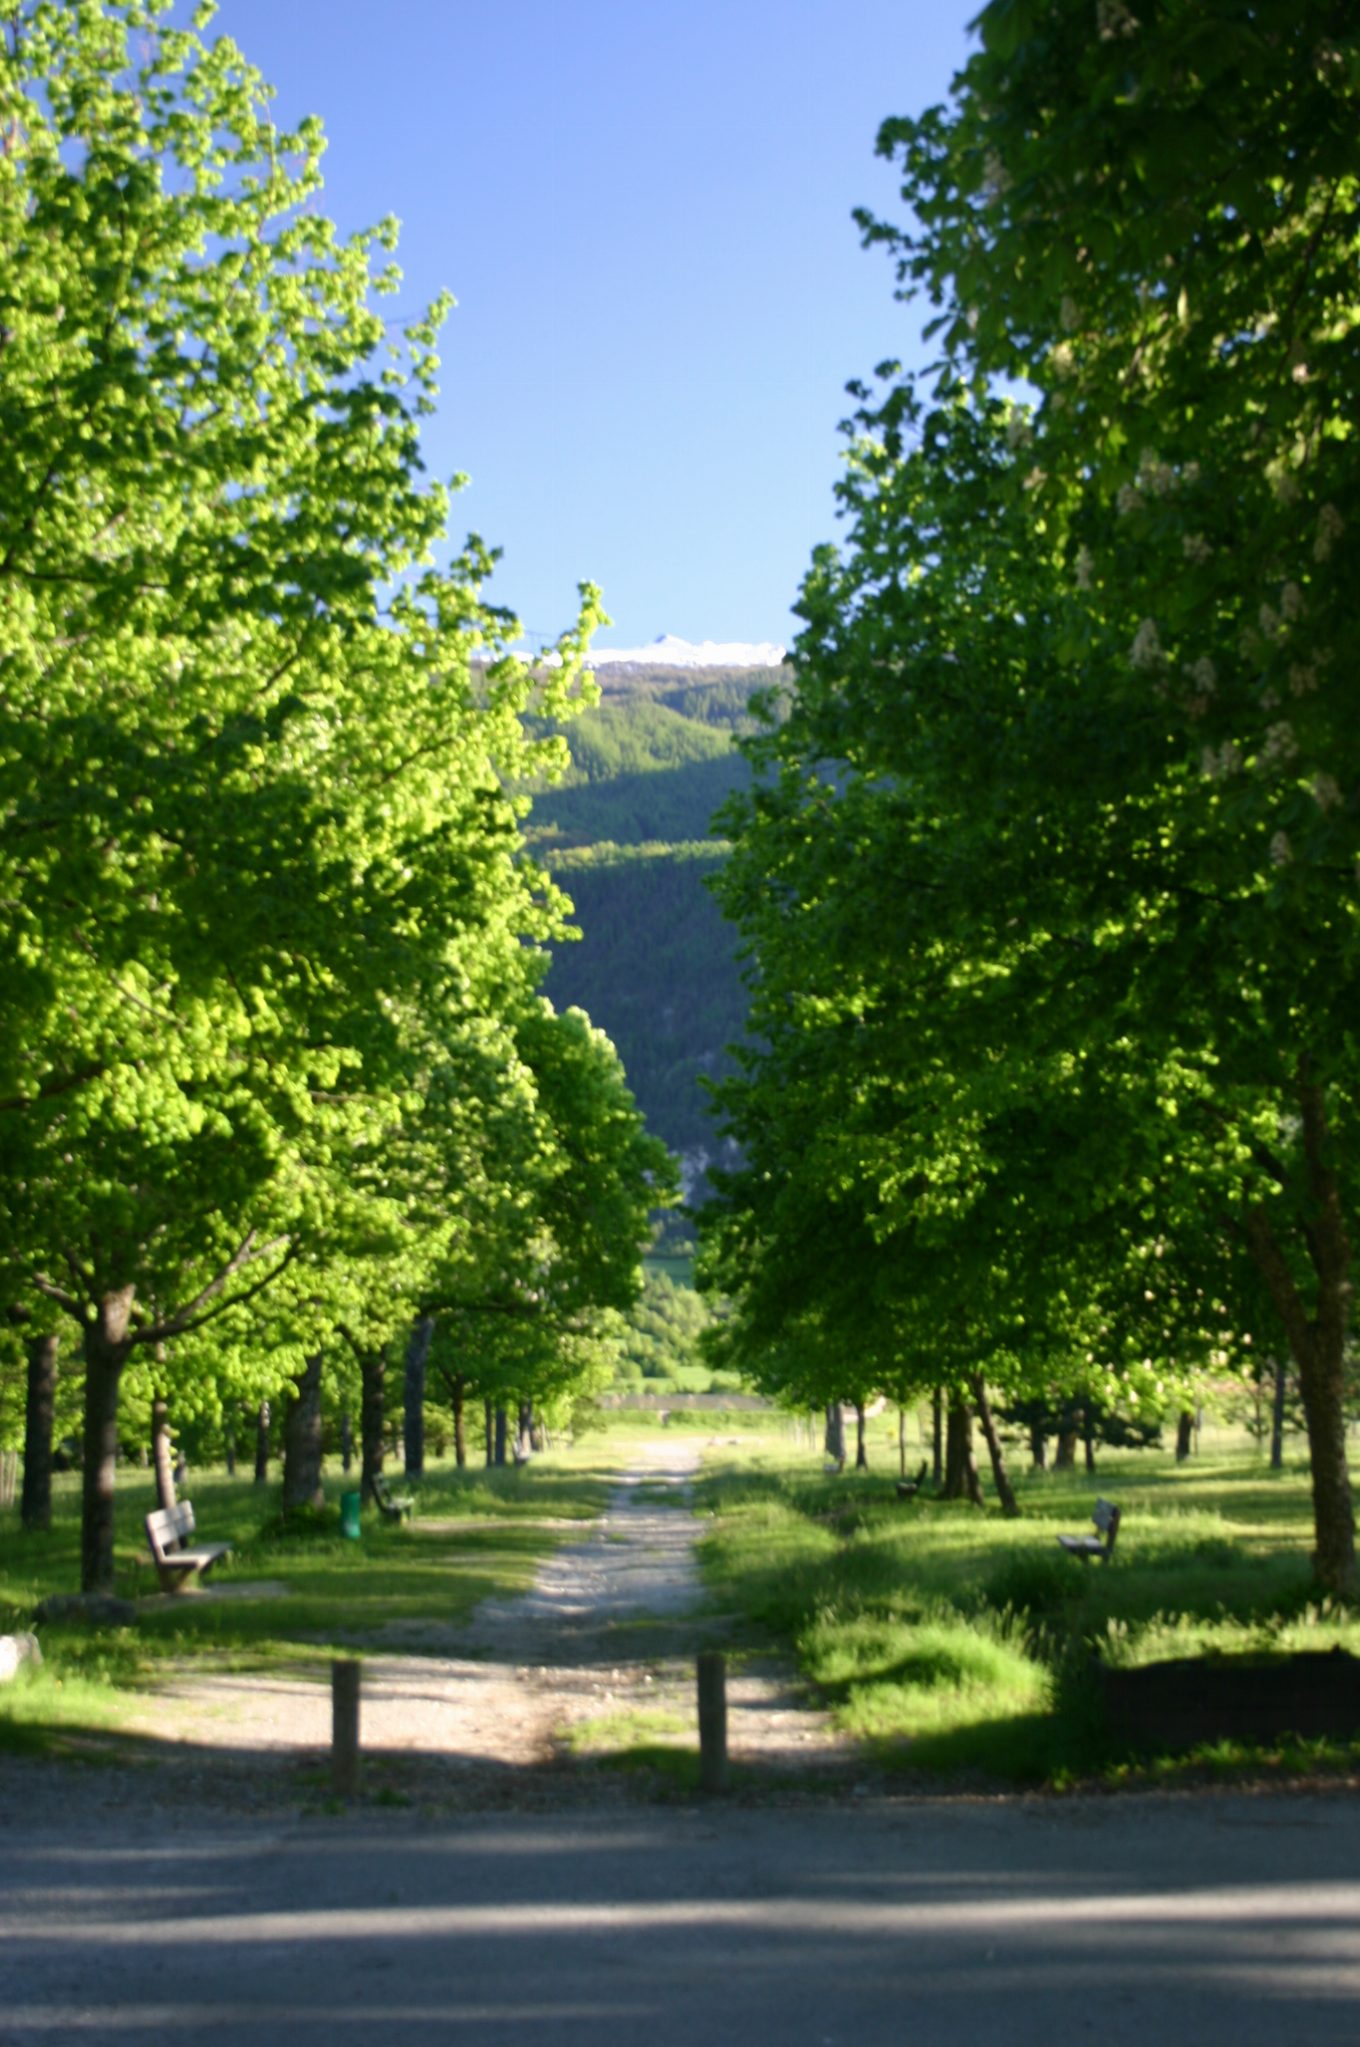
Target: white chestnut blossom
[(1280, 746), (1146, 651), (1217, 763), (1084, 565), (1327, 792), (1113, 18), (1291, 601), (1281, 852), (1196, 548), (1155, 475), (1330, 527)]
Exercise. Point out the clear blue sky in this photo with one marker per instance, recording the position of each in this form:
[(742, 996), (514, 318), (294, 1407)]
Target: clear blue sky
[(643, 209)]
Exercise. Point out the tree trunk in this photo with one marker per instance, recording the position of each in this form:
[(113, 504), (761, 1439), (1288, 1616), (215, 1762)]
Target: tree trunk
[(161, 1458), (488, 1423), (1317, 1342), (1066, 1457), (1005, 1491), (35, 1508), (835, 1434), (861, 1452), (106, 1352), (262, 1443), (1088, 1438), (524, 1440), (229, 1441), (372, 1417), (302, 1453), (1277, 1414), (901, 1442), (1038, 1446), (459, 1421), (937, 1437), (961, 1479), (500, 1434), (417, 1357)]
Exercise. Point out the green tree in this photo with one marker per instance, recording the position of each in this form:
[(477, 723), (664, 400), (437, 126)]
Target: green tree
[(1067, 805), (252, 779)]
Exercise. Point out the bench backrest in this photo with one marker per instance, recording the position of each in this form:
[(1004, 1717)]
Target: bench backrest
[(168, 1527), (1106, 1518)]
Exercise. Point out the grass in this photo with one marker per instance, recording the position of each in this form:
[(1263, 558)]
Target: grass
[(299, 1594), (955, 1642)]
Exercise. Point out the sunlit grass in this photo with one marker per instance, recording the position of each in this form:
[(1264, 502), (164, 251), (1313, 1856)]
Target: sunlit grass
[(954, 1640), (294, 1594)]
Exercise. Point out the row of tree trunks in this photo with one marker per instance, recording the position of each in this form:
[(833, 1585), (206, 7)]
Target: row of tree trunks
[(107, 1347), (1277, 1416), (162, 1454), (961, 1481), (1316, 1333), (35, 1506), (302, 1444), (413, 1421), (372, 1418), (1005, 1491), (458, 1398)]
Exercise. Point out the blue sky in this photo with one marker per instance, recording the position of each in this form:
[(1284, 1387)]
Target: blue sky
[(643, 210)]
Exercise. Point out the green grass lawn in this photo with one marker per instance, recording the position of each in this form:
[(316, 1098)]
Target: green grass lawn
[(951, 1640), (956, 1645)]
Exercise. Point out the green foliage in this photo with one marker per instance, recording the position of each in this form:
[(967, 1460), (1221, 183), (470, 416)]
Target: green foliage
[(270, 1049), (1050, 884)]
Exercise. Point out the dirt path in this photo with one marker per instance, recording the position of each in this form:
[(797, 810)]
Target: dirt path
[(597, 1657)]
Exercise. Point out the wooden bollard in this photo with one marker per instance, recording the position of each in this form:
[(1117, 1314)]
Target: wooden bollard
[(345, 1729), (712, 1720)]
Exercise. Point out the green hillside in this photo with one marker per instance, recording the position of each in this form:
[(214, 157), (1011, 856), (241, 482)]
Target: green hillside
[(628, 836)]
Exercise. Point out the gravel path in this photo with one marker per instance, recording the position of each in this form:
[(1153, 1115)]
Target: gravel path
[(597, 1656)]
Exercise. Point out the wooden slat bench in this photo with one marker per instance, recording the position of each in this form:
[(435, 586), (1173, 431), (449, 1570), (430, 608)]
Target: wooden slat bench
[(394, 1507), (177, 1563), (1106, 1518)]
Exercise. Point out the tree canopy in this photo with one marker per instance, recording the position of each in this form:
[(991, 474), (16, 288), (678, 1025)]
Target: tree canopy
[(263, 877), (1051, 888)]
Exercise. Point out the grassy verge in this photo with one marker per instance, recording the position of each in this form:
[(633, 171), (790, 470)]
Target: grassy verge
[(952, 1641), (296, 1594)]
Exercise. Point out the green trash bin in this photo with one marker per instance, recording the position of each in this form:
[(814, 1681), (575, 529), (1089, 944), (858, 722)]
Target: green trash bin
[(349, 1516)]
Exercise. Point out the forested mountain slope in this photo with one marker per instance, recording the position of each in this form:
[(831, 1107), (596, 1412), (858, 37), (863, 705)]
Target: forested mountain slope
[(628, 836)]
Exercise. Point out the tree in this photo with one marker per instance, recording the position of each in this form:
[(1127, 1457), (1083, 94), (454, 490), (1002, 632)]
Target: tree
[(1073, 696), (1171, 206), (253, 808)]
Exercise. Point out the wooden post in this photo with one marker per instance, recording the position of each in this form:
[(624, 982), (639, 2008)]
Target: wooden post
[(345, 1728), (712, 1720)]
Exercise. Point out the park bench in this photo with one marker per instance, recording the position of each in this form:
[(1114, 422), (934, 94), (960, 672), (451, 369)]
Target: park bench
[(177, 1562), (908, 1488), (1106, 1518), (393, 1506)]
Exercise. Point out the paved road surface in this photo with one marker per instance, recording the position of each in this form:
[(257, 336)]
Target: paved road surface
[(1227, 1920)]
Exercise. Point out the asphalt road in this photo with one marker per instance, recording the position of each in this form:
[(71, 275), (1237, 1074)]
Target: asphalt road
[(1202, 1920)]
